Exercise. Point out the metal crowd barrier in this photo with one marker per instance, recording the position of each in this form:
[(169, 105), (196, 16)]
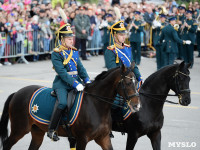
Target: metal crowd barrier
[(33, 43)]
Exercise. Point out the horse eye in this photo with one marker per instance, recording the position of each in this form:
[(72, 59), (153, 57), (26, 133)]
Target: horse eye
[(133, 80)]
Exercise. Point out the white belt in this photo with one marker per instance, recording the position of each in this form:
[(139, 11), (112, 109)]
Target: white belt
[(73, 73)]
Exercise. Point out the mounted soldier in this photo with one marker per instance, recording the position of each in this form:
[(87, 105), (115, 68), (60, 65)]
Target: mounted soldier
[(120, 53), (70, 71)]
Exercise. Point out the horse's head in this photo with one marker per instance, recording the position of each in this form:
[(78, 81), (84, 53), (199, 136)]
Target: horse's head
[(180, 84), (126, 88)]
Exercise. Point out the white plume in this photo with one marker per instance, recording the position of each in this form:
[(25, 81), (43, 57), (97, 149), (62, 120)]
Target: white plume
[(63, 15)]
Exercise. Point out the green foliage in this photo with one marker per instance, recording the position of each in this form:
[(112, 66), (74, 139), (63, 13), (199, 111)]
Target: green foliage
[(186, 2)]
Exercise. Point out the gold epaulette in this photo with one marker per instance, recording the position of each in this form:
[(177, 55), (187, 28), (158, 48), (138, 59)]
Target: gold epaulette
[(57, 50), (195, 24), (74, 48), (127, 45), (111, 47)]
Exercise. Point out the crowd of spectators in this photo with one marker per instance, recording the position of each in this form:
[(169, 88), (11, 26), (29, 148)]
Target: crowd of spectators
[(28, 26)]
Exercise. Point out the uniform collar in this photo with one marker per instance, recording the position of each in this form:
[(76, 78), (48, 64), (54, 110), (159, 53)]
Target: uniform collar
[(69, 48), (118, 45)]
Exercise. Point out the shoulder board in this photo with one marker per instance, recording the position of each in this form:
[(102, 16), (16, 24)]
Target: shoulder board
[(74, 48), (127, 45), (111, 47), (57, 50), (195, 23)]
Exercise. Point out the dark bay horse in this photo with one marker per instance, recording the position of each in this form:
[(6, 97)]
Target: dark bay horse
[(153, 93), (94, 121)]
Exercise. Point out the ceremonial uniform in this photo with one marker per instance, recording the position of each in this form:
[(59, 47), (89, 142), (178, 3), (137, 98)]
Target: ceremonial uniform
[(169, 39), (180, 46), (135, 40), (70, 71), (106, 37), (160, 54), (117, 55), (189, 34), (198, 42)]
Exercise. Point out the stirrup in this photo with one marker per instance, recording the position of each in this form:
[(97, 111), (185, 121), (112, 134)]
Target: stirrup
[(52, 134)]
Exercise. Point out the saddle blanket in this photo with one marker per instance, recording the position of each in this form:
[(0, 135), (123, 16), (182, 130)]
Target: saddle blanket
[(42, 104), (124, 112)]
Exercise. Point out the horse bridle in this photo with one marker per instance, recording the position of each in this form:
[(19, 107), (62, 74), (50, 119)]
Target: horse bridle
[(121, 82), (178, 92), (127, 98)]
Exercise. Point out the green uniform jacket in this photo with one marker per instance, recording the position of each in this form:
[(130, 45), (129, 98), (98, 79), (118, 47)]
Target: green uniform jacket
[(82, 22), (182, 19), (189, 32), (63, 79), (135, 33), (157, 33), (110, 59), (170, 37)]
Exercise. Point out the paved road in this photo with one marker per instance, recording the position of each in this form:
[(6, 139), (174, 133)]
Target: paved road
[(182, 124)]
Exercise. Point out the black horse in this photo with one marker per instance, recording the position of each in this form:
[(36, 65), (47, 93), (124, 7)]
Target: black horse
[(94, 121), (153, 93)]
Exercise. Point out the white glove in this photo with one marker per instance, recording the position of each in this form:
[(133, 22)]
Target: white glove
[(88, 82), (79, 87), (158, 24), (188, 42), (163, 41)]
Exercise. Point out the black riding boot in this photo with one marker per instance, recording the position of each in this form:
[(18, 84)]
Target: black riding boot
[(55, 119)]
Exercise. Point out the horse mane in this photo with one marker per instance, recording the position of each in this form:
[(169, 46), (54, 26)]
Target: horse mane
[(101, 76), (161, 71), (104, 74)]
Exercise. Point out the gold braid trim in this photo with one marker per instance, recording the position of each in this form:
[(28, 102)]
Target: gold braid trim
[(66, 61)]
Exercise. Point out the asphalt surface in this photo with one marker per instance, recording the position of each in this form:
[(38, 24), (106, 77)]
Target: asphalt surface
[(181, 125)]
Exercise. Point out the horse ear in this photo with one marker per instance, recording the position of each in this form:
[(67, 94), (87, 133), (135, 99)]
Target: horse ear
[(132, 65), (124, 69), (181, 65)]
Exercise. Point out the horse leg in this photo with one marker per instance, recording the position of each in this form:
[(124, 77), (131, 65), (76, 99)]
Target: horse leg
[(37, 138), (104, 142), (72, 143), (131, 141), (81, 144), (14, 137), (155, 138)]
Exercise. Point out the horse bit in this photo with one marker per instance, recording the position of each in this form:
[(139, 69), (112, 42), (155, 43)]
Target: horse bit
[(127, 97), (178, 91)]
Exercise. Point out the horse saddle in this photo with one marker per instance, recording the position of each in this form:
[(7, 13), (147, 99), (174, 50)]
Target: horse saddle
[(70, 97)]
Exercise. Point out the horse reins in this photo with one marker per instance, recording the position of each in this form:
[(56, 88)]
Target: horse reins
[(178, 91), (127, 97)]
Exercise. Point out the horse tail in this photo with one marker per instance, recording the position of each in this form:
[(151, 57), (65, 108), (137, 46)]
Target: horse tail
[(4, 120)]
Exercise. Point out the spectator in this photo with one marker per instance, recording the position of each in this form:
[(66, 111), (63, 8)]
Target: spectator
[(148, 18), (36, 36), (3, 36), (20, 35), (46, 34), (82, 27)]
